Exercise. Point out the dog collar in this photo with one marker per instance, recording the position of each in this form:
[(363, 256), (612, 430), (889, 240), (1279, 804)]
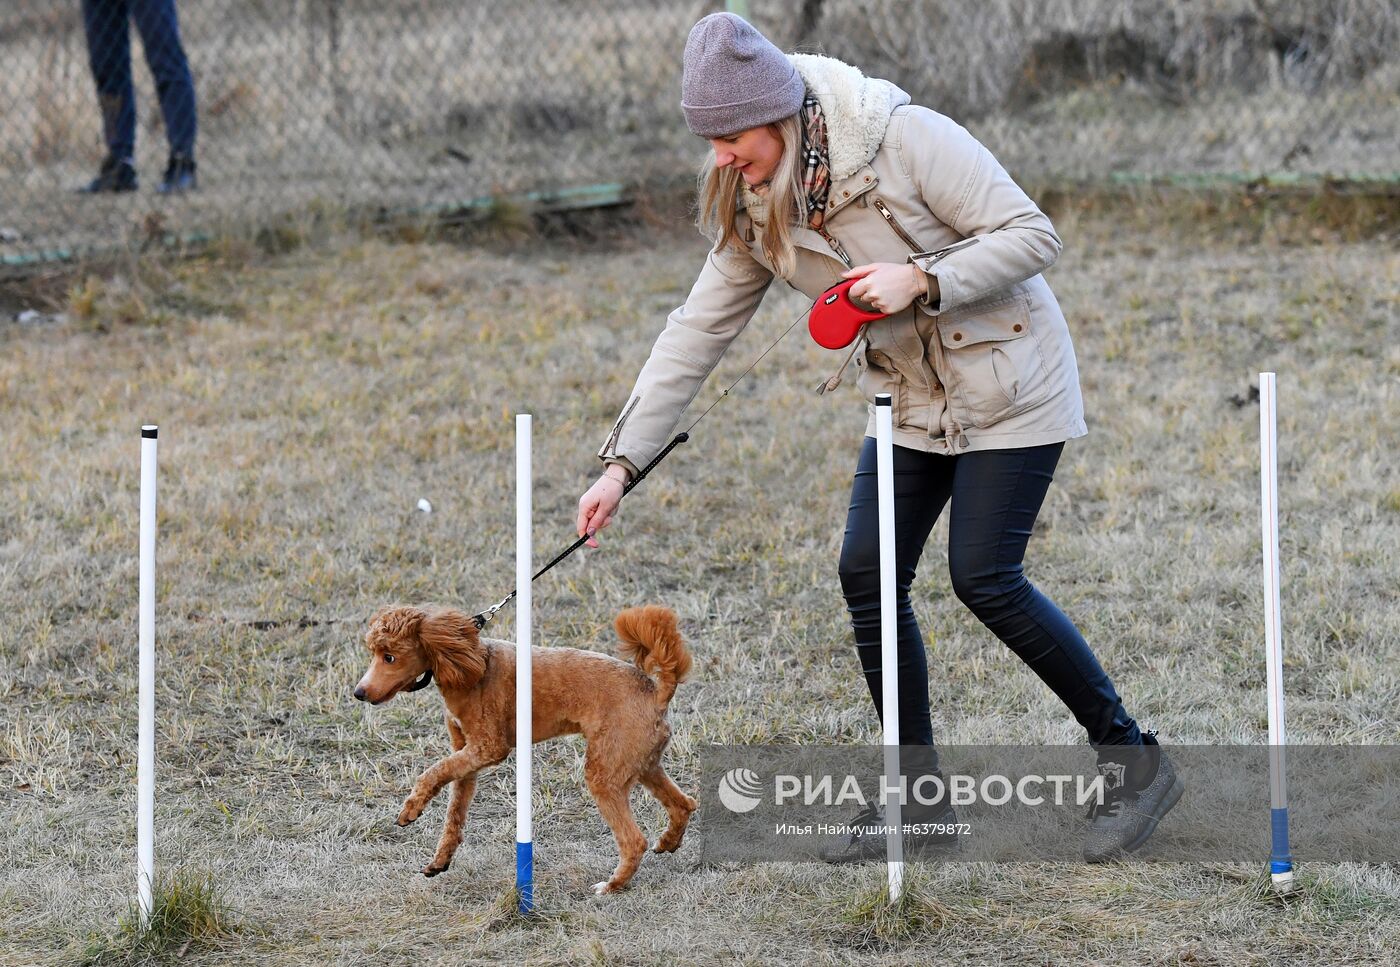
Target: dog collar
[(427, 677)]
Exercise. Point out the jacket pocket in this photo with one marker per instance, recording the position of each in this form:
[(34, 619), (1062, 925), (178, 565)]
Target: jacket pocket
[(875, 375), (995, 367)]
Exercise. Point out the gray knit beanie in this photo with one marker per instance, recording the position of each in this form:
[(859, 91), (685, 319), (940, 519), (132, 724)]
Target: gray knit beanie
[(733, 78)]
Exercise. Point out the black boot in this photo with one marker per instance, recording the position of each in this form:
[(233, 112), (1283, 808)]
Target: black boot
[(179, 176), (1141, 785), (115, 175)]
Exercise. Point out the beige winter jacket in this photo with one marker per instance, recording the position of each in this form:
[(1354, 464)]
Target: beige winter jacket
[(990, 366)]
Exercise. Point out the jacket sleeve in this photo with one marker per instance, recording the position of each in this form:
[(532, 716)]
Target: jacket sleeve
[(723, 300), (1006, 238)]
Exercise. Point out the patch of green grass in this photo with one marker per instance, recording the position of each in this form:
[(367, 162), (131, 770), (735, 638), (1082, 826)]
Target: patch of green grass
[(187, 908), (872, 920), (1331, 900)]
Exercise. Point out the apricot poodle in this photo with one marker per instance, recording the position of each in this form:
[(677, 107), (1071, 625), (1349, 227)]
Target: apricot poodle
[(619, 708)]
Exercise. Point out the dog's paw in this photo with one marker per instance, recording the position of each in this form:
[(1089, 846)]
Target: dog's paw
[(433, 869), (408, 814), (667, 844), (605, 887)]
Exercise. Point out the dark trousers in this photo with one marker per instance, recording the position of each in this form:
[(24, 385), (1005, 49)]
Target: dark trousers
[(995, 496), (109, 55)]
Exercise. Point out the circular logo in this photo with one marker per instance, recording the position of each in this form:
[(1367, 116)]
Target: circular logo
[(740, 790)]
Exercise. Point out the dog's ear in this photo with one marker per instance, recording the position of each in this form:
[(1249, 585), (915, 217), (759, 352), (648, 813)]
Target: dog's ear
[(453, 647)]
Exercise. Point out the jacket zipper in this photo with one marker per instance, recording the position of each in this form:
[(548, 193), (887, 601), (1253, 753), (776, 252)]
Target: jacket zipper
[(888, 215), (949, 249), (617, 427), (912, 242)]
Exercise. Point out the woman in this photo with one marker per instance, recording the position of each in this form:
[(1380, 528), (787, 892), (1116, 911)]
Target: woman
[(818, 174)]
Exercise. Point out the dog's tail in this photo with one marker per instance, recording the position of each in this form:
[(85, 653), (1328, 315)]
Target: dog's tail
[(651, 639)]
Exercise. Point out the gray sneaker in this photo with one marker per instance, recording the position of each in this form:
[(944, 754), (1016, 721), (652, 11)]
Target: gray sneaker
[(866, 840), (1141, 787)]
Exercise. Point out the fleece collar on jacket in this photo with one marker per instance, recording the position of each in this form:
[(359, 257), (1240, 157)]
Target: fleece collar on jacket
[(857, 109)]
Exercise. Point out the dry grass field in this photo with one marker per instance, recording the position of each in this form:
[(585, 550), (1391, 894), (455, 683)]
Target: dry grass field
[(308, 400)]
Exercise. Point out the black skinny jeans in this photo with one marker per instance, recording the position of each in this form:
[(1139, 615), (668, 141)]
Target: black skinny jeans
[(995, 496)]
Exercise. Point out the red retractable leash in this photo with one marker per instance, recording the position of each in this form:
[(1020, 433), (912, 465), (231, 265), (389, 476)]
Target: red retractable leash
[(837, 321), (837, 317)]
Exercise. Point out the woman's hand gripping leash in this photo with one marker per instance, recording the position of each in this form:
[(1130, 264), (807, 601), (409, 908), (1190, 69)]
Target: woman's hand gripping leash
[(888, 287), (597, 507)]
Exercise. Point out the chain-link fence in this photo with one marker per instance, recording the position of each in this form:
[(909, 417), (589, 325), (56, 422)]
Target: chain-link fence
[(420, 104)]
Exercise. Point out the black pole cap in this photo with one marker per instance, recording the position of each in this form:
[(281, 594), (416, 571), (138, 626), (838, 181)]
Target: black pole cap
[(148, 432), (884, 399)]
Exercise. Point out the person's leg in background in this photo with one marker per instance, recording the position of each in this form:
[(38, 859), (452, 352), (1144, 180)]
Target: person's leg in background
[(922, 484), (159, 26), (996, 495), (109, 57)]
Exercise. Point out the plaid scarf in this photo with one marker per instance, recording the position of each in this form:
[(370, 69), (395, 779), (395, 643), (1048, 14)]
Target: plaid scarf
[(816, 175), (816, 169)]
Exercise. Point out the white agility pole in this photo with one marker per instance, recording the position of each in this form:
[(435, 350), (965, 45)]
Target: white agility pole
[(146, 678), (889, 640), (524, 706), (1280, 858)]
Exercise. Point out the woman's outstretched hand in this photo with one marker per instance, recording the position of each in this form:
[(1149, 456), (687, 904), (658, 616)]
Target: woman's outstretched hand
[(597, 507), (889, 287)]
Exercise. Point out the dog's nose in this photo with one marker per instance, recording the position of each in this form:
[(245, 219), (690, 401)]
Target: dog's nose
[(360, 692)]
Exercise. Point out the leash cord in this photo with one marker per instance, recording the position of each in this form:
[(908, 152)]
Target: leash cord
[(483, 617), (746, 372)]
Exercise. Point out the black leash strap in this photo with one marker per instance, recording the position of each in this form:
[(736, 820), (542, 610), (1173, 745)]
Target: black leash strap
[(483, 617), (490, 613)]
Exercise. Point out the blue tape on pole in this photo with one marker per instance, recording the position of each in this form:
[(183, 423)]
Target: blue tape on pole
[(1281, 857), (525, 875)]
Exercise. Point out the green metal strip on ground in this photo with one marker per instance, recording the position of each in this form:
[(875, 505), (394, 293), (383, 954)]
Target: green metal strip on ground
[(616, 193), (33, 260), (561, 199), (550, 200)]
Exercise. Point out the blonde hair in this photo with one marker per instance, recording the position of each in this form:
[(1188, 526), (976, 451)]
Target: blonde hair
[(718, 199)]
